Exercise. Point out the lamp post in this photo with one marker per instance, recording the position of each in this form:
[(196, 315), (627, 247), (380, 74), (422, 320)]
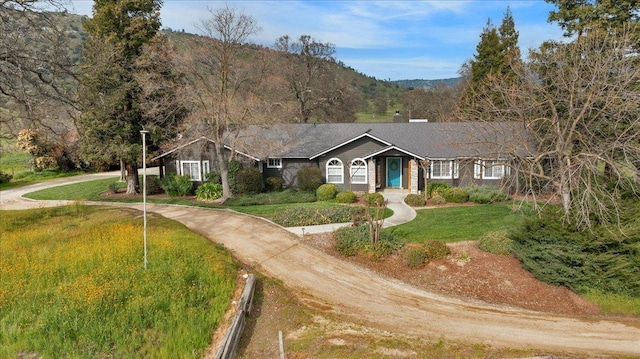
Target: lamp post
[(144, 191)]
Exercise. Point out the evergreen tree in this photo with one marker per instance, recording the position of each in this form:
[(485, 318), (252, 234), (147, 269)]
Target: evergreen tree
[(112, 117), (509, 47), (497, 60), (577, 17), (488, 58)]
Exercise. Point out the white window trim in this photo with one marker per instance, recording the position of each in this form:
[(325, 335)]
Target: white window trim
[(329, 166), (356, 169), (198, 173), (206, 168), (276, 164), (453, 166), (480, 168)]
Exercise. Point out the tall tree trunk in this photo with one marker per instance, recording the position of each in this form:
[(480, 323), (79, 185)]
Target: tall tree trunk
[(123, 171), (565, 184), (223, 167), (133, 182)]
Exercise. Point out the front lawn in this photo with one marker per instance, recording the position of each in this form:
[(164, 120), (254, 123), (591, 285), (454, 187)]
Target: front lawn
[(91, 190), (454, 224), (83, 191)]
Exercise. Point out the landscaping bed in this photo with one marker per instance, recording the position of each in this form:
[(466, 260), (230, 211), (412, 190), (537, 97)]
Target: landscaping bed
[(472, 273)]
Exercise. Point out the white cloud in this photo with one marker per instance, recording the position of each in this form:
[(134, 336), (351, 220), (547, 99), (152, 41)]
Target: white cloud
[(427, 38)]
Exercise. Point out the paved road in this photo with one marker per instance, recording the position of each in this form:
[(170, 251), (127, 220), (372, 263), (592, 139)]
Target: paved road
[(390, 304)]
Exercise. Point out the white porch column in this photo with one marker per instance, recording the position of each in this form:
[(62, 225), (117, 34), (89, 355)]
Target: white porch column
[(413, 186), (371, 175)]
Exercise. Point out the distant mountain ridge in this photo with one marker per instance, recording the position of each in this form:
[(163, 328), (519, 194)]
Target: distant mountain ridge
[(428, 84)]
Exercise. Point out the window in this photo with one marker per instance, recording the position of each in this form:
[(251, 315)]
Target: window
[(358, 171), (191, 168), (205, 168), (274, 163), (444, 169), (335, 173), (491, 169)]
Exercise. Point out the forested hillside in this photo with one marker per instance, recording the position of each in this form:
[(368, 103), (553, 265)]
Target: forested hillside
[(370, 96), (428, 84)]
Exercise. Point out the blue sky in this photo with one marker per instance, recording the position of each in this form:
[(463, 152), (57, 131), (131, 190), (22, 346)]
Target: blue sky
[(390, 40)]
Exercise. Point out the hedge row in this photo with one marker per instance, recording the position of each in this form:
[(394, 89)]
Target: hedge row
[(305, 216)]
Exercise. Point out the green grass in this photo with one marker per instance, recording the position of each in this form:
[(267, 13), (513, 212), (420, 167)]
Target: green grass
[(30, 177), (84, 191), (454, 224), (364, 117), (18, 165), (14, 162), (72, 284), (614, 303), (90, 191), (286, 196)]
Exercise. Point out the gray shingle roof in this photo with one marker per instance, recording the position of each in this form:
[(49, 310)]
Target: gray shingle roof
[(430, 140)]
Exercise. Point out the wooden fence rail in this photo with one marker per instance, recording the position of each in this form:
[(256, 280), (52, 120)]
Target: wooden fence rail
[(232, 336)]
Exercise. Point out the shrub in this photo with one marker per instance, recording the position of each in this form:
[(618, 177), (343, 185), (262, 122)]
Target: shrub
[(604, 258), (213, 177), (209, 191), (413, 255), (177, 186), (435, 249), (153, 185), (486, 194), (414, 200), (234, 168), (5, 177), (249, 181), (309, 178), (346, 197), (437, 199), (113, 187), (305, 216), (455, 195), (351, 241), (436, 187), (44, 163), (274, 184), (374, 199), (326, 192), (496, 242)]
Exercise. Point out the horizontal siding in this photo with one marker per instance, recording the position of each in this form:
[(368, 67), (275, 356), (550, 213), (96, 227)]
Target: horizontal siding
[(289, 170), (356, 149)]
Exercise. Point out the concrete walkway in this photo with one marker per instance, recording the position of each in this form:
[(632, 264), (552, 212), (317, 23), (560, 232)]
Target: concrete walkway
[(402, 213)]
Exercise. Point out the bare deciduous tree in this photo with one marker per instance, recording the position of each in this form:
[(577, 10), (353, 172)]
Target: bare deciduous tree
[(313, 83), (580, 103), (223, 85), (437, 104), (37, 78)]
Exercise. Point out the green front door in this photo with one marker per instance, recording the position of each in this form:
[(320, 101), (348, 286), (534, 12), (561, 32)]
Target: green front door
[(394, 172)]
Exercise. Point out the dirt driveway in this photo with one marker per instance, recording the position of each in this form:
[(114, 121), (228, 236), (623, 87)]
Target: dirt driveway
[(362, 295)]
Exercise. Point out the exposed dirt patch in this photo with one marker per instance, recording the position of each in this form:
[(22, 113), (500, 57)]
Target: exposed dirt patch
[(472, 273)]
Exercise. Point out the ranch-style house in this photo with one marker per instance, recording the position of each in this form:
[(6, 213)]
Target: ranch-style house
[(366, 157)]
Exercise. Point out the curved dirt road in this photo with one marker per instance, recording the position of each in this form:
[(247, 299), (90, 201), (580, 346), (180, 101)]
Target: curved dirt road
[(389, 304)]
